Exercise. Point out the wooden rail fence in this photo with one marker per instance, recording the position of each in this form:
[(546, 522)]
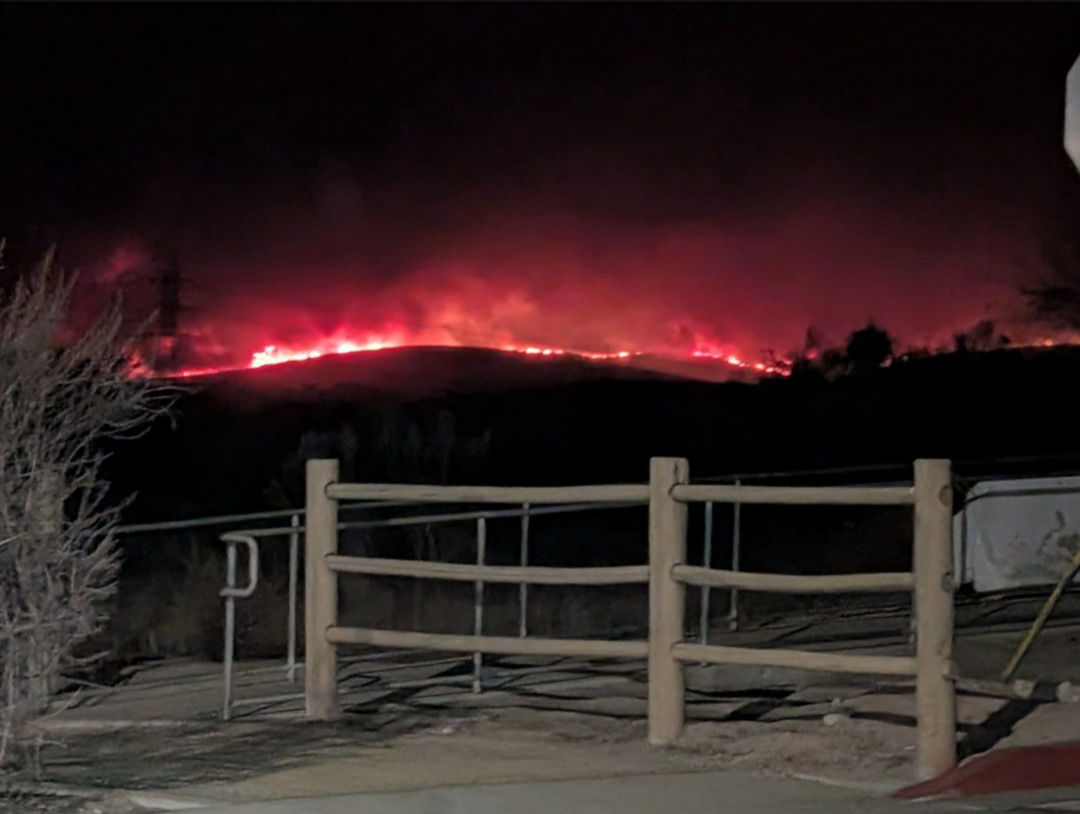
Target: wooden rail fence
[(668, 494)]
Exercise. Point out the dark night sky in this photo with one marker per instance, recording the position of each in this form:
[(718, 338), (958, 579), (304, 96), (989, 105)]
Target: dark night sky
[(601, 177)]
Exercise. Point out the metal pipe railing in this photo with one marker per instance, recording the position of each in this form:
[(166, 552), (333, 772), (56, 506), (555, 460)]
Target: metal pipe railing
[(523, 588), (706, 559), (478, 602), (294, 572), (428, 519), (736, 556), (295, 528), (231, 593), (230, 519)]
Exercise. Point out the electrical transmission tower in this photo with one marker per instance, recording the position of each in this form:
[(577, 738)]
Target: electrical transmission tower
[(169, 318), (167, 338)]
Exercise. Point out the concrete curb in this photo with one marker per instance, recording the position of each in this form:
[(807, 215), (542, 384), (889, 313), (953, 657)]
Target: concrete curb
[(883, 787), (167, 802), (92, 725)]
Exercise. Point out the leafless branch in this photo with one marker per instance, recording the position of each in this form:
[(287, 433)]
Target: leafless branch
[(60, 400)]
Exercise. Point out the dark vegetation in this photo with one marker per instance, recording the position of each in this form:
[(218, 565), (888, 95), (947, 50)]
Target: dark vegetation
[(239, 444)]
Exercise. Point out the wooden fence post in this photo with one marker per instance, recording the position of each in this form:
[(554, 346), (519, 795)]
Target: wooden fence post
[(935, 699), (320, 592), (667, 548)]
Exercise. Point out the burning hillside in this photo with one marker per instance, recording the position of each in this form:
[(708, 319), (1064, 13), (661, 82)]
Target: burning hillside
[(272, 355)]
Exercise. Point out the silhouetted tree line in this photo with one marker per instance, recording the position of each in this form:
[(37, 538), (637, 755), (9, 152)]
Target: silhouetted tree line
[(871, 348), (1055, 296)]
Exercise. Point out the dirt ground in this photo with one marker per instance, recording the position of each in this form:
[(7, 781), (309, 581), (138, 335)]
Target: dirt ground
[(855, 738), (411, 722), (265, 760)]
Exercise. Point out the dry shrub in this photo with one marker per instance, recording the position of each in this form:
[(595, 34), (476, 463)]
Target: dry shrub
[(61, 398), (174, 608), (186, 612)]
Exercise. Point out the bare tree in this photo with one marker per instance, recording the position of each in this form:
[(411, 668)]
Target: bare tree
[(868, 349), (1054, 298), (61, 399), (981, 338)]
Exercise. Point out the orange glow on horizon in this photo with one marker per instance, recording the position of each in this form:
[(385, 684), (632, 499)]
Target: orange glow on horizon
[(703, 352), (281, 353), (275, 355)]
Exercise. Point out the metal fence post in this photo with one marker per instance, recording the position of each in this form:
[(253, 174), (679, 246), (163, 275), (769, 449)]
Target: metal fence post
[(320, 592), (478, 602), (230, 630), (703, 625), (913, 634), (935, 699), (523, 588), (667, 548), (736, 550), (294, 568)]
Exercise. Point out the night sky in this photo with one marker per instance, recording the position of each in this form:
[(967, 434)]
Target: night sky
[(616, 176)]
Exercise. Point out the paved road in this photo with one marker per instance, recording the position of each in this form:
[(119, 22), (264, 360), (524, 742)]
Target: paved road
[(686, 794), (726, 792)]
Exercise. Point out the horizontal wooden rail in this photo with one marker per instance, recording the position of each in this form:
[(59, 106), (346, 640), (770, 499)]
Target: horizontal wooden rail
[(514, 574), (797, 495), (616, 493), (800, 659), (792, 583), (498, 645)]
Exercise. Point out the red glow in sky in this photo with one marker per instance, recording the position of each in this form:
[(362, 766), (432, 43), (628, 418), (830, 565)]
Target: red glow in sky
[(730, 291), (689, 200)]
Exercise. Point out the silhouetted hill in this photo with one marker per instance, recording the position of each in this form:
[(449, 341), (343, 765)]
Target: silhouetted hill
[(466, 416), (239, 444), (426, 371)]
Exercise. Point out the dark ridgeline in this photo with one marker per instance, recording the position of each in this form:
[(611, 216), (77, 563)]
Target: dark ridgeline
[(239, 448), (527, 422), (240, 443)]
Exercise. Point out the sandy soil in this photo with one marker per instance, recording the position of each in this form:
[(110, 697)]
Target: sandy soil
[(406, 728), (845, 734)]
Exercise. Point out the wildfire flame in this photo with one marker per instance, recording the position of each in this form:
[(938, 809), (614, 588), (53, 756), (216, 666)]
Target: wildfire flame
[(277, 354), (345, 342), (274, 355), (703, 351)]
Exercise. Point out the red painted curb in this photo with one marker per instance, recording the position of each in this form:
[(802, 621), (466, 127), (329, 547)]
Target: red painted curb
[(1020, 768)]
